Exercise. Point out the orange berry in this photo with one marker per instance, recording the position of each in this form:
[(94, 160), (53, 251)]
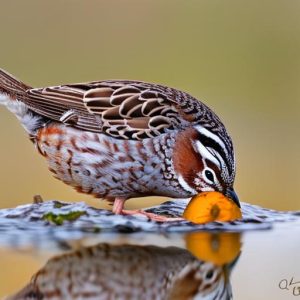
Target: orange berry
[(211, 206)]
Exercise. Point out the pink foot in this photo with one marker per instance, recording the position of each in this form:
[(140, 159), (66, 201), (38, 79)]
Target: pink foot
[(118, 210), (150, 216)]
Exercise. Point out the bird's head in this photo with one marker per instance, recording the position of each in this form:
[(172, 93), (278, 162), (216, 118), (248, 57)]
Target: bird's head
[(204, 161)]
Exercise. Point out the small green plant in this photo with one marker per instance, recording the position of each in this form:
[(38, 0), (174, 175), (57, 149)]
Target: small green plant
[(58, 219)]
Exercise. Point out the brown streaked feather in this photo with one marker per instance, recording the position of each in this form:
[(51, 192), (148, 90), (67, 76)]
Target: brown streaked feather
[(122, 109), (12, 86)]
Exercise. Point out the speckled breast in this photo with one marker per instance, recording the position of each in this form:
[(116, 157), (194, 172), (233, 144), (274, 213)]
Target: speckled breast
[(108, 167)]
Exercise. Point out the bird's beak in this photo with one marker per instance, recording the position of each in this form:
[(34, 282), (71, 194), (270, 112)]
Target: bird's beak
[(233, 196)]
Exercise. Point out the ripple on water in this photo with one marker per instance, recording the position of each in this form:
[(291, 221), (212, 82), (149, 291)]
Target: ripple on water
[(51, 221)]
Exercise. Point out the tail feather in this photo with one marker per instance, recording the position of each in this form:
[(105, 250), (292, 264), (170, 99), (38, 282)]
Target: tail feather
[(13, 95), (12, 87)]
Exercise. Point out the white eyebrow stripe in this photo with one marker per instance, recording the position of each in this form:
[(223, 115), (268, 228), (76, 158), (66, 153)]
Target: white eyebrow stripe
[(218, 156), (205, 153), (185, 185), (212, 136)]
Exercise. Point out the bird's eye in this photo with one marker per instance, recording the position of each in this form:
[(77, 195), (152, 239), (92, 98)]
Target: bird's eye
[(209, 175)]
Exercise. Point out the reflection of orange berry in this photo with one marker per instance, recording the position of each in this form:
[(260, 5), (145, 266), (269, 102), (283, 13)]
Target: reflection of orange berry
[(218, 248), (211, 206)]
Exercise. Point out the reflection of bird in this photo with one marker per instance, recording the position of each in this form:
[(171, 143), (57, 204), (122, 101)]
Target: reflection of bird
[(128, 272), (120, 139)]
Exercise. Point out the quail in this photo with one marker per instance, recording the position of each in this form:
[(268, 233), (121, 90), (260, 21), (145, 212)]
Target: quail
[(120, 139)]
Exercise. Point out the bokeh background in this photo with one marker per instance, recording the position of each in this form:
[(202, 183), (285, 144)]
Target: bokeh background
[(242, 58)]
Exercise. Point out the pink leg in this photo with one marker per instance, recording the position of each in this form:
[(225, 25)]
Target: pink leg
[(118, 209), (118, 205)]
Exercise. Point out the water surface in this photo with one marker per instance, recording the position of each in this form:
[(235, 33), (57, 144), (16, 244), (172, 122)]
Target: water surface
[(132, 258)]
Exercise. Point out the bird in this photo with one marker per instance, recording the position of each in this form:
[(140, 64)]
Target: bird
[(121, 139), (101, 272)]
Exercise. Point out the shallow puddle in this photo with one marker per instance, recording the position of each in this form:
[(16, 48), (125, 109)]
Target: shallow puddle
[(131, 258)]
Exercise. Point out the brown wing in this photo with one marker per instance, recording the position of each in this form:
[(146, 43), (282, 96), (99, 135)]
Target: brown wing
[(122, 109)]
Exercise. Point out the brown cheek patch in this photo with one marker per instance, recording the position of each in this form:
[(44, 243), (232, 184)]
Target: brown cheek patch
[(187, 161)]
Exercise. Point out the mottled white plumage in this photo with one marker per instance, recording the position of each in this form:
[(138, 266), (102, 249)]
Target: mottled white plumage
[(92, 162), (28, 120)]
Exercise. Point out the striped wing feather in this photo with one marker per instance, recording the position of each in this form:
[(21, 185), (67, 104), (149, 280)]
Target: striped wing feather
[(122, 109)]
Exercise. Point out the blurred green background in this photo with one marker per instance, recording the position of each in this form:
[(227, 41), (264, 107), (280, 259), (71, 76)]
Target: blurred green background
[(242, 58)]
